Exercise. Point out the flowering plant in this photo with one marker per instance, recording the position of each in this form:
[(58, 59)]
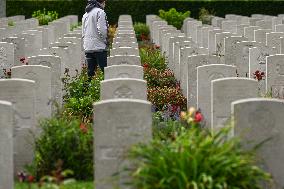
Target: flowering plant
[(157, 78), (142, 31), (192, 117), (162, 96), (258, 75), (152, 57)]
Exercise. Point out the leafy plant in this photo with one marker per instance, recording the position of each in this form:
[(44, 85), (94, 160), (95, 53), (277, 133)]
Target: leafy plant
[(142, 31), (80, 94), (44, 17), (161, 97), (157, 78), (173, 17), (68, 140), (74, 26), (153, 58), (205, 15), (196, 159), (11, 23)]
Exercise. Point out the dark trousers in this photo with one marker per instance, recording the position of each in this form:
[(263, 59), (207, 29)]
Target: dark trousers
[(94, 59)]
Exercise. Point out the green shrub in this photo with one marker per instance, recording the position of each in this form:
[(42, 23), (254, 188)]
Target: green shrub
[(196, 159), (142, 31), (80, 94), (157, 78), (45, 17), (205, 15), (68, 140), (152, 58), (11, 23), (173, 17), (161, 97), (74, 26)]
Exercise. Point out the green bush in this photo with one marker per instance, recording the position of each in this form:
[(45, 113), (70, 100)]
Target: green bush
[(173, 17), (161, 97), (196, 159), (205, 15), (142, 31), (80, 94), (68, 140), (45, 17), (152, 58), (157, 78)]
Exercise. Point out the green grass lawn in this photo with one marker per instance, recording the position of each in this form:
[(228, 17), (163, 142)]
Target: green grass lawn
[(77, 185)]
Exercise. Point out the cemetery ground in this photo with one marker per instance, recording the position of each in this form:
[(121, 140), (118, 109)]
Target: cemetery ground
[(168, 112)]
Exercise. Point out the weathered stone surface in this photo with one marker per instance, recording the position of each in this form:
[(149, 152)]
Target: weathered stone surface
[(123, 71), (119, 124), (241, 58), (6, 145), (54, 63), (223, 92), (19, 48), (230, 47), (191, 73), (21, 93), (249, 32), (205, 74), (257, 62), (118, 60), (6, 57), (275, 75), (124, 51), (124, 88), (42, 77), (260, 35), (260, 121)]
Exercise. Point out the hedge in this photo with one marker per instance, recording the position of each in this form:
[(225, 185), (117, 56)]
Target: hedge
[(138, 9)]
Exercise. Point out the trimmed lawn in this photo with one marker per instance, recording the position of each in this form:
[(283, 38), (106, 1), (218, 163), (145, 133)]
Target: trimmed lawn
[(77, 185)]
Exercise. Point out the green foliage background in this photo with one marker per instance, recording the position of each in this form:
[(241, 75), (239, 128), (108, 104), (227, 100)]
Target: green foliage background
[(139, 9)]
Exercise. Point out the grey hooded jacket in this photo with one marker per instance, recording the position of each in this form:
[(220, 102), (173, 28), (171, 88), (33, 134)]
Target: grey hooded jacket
[(94, 30)]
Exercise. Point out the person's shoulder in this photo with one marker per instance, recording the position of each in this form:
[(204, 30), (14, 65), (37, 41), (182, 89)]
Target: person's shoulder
[(101, 10)]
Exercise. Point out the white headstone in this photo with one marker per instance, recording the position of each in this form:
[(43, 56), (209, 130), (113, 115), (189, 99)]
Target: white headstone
[(19, 48), (224, 92), (191, 74), (205, 74), (124, 51), (118, 60), (123, 88), (249, 32), (54, 63), (6, 145), (275, 75), (123, 71), (42, 77), (21, 93), (260, 121), (6, 57), (130, 123)]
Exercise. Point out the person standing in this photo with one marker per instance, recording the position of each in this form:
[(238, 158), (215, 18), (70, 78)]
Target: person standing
[(95, 36)]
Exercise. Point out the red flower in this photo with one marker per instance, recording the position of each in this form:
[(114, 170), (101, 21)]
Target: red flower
[(198, 117), (157, 47), (24, 60), (83, 128), (31, 178), (146, 65)]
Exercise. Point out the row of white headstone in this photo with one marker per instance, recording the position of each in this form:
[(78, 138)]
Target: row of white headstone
[(123, 116), (215, 65), (27, 96)]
